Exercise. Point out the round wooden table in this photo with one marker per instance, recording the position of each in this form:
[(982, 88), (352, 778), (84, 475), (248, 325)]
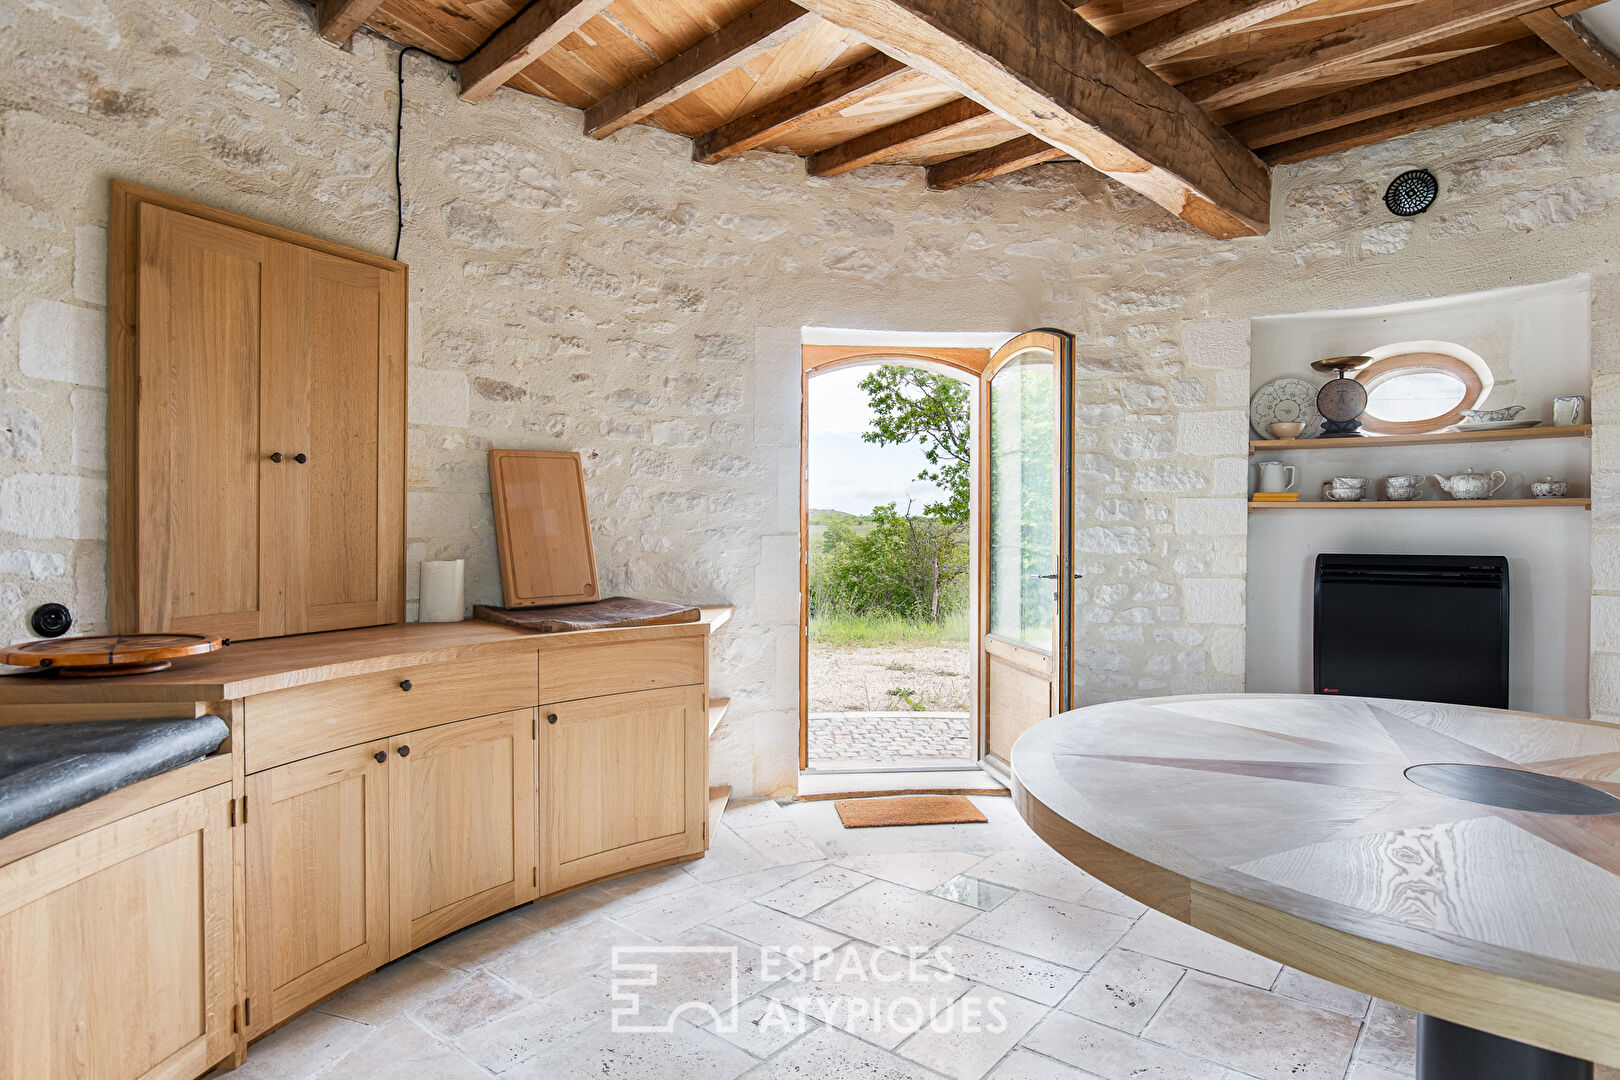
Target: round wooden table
[(1462, 862)]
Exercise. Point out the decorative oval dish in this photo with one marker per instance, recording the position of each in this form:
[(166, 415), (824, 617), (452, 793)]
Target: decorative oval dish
[(108, 654), (1287, 400)]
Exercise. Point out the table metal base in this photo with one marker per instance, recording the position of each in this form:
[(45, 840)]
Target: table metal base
[(1447, 1051)]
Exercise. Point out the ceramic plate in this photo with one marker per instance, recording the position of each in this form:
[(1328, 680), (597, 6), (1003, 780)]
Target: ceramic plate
[(1496, 425), (1285, 401)]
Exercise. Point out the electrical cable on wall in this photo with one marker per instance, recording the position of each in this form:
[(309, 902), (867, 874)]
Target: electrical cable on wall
[(399, 137)]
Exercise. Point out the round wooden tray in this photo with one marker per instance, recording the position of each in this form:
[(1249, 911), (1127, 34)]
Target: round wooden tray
[(109, 654)]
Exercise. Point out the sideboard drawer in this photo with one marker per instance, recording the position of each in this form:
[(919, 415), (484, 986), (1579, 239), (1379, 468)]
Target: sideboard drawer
[(582, 668), (286, 725)]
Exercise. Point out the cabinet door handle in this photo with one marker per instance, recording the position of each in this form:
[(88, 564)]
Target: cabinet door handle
[(404, 751), (276, 456), (405, 685), (551, 718), (300, 458), (380, 756)]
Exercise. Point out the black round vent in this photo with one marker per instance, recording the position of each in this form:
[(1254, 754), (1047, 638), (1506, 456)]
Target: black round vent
[(1412, 192), (51, 620)]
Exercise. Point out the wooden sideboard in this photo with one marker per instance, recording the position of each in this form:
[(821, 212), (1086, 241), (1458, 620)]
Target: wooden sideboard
[(380, 788)]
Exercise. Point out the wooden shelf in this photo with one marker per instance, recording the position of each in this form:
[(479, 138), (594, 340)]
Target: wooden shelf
[(1573, 431), (717, 712), (1425, 504), (718, 797)]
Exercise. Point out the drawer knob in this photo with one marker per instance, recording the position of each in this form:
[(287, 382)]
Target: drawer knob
[(551, 718), (404, 751), (405, 685), (300, 458), (276, 456), (380, 756)]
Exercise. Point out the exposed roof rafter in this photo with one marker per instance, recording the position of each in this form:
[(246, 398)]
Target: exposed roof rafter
[(533, 32), (998, 160), (906, 137), (1576, 44)]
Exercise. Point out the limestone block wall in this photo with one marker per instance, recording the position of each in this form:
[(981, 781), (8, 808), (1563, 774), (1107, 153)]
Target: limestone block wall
[(617, 299)]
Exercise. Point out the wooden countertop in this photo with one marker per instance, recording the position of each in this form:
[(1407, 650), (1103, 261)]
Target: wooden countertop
[(1289, 825), (255, 667)]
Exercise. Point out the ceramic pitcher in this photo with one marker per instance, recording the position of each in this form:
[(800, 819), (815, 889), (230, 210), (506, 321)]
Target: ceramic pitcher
[(1274, 476)]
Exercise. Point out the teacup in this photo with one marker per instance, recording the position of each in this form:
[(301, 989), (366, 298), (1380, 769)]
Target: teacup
[(1334, 493), (1550, 488), (1406, 494), (1402, 481)]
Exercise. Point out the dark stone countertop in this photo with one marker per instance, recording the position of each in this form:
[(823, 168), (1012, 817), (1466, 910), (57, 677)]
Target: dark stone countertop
[(48, 768)]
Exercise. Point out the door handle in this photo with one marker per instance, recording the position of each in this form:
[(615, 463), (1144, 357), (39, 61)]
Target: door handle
[(551, 718), (404, 751), (300, 458), (276, 457), (1054, 577), (380, 756)]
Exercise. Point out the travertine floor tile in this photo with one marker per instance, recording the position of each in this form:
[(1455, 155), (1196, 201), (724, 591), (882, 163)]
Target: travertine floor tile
[(1016, 973), (1024, 1064), (782, 842), (1320, 992), (1114, 1055), (1069, 934), (559, 957), (670, 914), (967, 1039), (779, 931), (394, 988), (1043, 872), (684, 1052), (920, 870), (893, 916), (302, 1049), (501, 1043), (762, 1025), (805, 894), (1123, 990), (1389, 1039), (1253, 1031), (825, 1054), (468, 1004), (1166, 938)]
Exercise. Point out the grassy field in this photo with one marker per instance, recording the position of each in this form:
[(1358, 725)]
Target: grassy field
[(844, 629)]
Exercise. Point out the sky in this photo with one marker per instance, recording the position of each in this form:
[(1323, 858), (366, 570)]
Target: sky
[(849, 474)]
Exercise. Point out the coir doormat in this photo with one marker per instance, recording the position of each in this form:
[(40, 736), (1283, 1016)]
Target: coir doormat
[(907, 810)]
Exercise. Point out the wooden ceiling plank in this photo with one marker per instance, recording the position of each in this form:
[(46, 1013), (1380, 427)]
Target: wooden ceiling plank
[(998, 160), (1575, 7), (1436, 82), (905, 137), (535, 30), (1576, 44), (337, 20), (1397, 31), (1198, 24), (1478, 103), (737, 43), (1039, 65), (815, 101)]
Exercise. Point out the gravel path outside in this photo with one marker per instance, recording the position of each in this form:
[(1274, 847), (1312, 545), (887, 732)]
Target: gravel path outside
[(887, 705)]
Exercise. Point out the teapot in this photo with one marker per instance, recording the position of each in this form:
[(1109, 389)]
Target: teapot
[(1472, 485)]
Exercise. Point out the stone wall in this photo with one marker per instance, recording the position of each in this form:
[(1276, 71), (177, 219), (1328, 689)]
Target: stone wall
[(617, 299)]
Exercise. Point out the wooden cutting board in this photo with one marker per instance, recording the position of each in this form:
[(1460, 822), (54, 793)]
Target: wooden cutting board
[(615, 611)]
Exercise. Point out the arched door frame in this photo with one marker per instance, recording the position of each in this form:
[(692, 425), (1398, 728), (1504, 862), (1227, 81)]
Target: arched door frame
[(818, 360)]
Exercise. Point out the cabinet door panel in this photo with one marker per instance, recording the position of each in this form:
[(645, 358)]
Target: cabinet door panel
[(623, 781), (203, 289), (461, 825), (353, 481), (317, 900), (116, 953)]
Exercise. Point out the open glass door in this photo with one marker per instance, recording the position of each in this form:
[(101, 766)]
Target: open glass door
[(1026, 505)]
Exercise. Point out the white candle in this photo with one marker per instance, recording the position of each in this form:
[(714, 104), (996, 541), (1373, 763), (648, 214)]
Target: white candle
[(443, 596)]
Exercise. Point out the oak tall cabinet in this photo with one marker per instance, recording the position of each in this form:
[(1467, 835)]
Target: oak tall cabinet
[(257, 418)]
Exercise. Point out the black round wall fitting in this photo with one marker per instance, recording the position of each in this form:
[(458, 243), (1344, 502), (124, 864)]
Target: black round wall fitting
[(1411, 193), (51, 620)]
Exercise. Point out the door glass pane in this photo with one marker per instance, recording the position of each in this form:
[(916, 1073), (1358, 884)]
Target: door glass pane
[(1023, 517)]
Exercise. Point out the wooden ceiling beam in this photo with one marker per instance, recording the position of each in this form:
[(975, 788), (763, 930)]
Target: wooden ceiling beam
[(738, 42), (1478, 103), (1044, 68), (1452, 78), (337, 20), (1199, 23), (998, 160), (908, 136), (1576, 44), (1398, 31), (824, 97), (1575, 7), (532, 32)]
